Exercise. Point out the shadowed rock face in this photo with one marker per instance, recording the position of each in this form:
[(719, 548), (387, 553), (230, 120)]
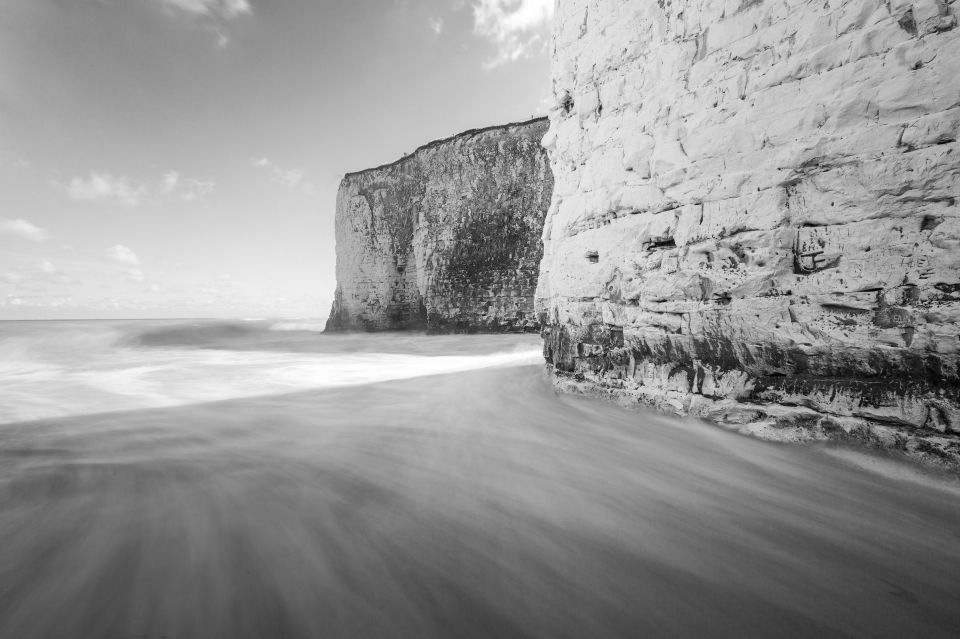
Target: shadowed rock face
[(755, 217), (446, 239)]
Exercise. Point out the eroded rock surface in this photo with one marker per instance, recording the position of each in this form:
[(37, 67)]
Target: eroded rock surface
[(755, 217), (447, 239)]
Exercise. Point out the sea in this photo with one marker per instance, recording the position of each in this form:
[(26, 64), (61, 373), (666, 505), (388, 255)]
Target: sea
[(260, 479)]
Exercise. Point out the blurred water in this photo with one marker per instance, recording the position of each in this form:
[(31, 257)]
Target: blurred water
[(406, 486), (57, 369)]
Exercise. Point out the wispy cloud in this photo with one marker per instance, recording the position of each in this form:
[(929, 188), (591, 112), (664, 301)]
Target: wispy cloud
[(104, 186), (515, 27), (123, 255), (38, 274), (290, 178), (47, 267), (36, 301), (436, 25), (24, 229), (211, 15), (225, 9), (185, 188)]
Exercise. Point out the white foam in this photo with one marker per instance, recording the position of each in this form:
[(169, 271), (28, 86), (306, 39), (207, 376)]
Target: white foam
[(127, 378), (301, 325)]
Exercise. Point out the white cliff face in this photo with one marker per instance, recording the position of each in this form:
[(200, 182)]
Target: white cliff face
[(755, 216), (446, 239)]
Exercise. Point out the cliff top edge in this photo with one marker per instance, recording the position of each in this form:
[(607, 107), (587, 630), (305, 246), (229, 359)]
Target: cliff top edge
[(438, 142)]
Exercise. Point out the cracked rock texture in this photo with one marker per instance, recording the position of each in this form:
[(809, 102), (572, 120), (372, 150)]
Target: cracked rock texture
[(446, 239), (755, 217)]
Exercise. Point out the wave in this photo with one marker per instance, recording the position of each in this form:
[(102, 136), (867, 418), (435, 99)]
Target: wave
[(193, 334), (306, 336), (316, 326), (63, 369)]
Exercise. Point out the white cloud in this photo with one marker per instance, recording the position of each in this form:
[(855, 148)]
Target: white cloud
[(188, 189), (104, 186), (170, 182), (290, 178), (23, 229), (47, 267), (29, 277), (225, 9), (436, 25), (136, 275), (211, 15), (122, 254), (36, 300), (122, 190), (515, 27)]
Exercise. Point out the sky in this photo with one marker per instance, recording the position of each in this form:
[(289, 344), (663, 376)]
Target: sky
[(180, 158)]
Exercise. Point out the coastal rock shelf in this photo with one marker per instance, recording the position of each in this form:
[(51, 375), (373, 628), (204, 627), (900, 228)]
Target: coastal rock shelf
[(447, 238), (756, 218)]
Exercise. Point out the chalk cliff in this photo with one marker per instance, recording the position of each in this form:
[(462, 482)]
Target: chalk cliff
[(755, 215), (447, 238)]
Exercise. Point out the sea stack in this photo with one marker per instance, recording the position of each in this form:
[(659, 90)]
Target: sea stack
[(446, 239), (756, 216)]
